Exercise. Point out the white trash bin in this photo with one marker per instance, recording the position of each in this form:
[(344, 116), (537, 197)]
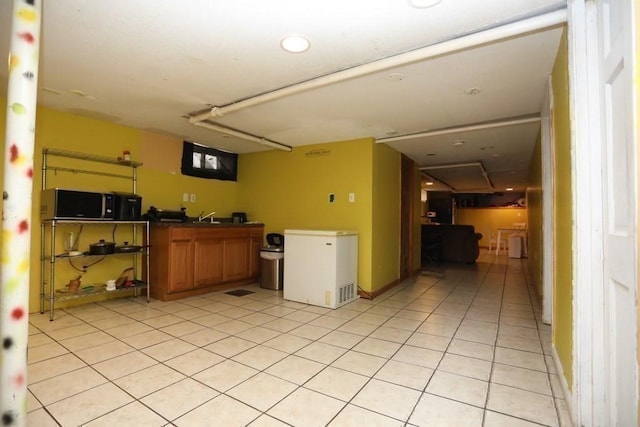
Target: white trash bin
[(515, 246)]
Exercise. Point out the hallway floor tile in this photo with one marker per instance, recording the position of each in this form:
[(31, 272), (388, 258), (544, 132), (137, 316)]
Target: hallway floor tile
[(459, 345)]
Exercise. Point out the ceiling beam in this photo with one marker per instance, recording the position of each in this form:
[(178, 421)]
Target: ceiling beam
[(491, 35), (244, 135), (472, 165), (464, 128)]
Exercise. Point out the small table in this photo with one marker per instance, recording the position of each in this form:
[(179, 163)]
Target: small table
[(512, 231)]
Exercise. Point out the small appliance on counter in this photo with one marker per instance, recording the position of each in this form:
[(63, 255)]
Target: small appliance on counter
[(239, 217), (164, 215)]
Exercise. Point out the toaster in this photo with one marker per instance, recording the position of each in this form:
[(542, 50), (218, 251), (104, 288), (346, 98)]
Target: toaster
[(239, 217)]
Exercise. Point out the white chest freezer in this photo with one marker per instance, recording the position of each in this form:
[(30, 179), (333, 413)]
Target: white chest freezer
[(321, 267)]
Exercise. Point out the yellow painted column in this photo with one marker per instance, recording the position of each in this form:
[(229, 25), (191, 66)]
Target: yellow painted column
[(16, 215)]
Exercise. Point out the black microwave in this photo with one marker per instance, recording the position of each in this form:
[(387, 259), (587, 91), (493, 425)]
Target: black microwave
[(58, 203)]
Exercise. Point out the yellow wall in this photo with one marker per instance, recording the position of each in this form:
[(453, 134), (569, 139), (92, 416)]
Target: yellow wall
[(290, 190), (283, 190), (534, 217), (159, 181), (386, 216), (563, 236), (485, 220), (163, 185)]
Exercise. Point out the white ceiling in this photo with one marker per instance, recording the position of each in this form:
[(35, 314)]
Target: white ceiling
[(151, 64)]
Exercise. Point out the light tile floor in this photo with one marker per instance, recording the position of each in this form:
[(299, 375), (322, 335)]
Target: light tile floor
[(465, 348)]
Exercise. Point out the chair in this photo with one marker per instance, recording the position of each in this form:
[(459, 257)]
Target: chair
[(495, 244)]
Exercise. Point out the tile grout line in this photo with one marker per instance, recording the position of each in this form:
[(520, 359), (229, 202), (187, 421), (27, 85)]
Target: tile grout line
[(459, 284)]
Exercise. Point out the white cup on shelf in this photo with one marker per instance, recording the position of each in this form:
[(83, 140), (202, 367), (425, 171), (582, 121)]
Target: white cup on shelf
[(111, 285)]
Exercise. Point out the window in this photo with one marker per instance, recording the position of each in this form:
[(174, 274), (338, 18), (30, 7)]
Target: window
[(205, 162)]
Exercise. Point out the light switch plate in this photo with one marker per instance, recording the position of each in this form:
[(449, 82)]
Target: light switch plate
[(185, 197), (193, 198), (352, 197)]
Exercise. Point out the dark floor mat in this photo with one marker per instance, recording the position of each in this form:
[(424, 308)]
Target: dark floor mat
[(239, 292)]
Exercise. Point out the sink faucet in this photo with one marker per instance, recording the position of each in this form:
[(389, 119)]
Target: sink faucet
[(209, 215)]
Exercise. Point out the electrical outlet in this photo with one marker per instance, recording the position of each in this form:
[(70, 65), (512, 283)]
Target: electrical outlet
[(352, 197), (185, 197), (193, 198)]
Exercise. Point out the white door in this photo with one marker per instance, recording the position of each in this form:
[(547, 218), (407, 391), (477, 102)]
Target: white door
[(615, 56)]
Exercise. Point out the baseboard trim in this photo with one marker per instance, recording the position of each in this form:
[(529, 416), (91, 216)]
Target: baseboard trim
[(377, 292), (566, 393)]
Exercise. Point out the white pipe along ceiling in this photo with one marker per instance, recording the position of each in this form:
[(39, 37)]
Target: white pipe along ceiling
[(452, 83), (450, 46), (456, 129), (203, 119)]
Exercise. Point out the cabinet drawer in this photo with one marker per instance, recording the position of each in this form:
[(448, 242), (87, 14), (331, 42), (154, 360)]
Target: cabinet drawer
[(231, 232), (181, 233), (256, 231)]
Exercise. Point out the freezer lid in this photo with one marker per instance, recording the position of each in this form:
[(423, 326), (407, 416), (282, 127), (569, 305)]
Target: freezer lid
[(320, 232)]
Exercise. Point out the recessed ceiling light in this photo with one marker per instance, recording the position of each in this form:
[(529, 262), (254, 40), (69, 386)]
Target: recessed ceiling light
[(458, 143), (472, 91), (431, 154), (295, 43), (423, 4), (509, 189), (429, 183), (487, 147), (495, 155)]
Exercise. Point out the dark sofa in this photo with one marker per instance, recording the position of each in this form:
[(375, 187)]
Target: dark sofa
[(449, 243)]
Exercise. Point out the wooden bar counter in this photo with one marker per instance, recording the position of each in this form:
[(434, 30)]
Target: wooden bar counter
[(195, 258)]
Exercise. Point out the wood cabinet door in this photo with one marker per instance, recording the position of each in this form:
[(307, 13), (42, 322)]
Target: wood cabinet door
[(236, 259), (180, 266), (208, 262)]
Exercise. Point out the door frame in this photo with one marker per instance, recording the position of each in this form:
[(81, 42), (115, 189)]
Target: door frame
[(548, 196), (590, 396), (407, 202), (588, 392)]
